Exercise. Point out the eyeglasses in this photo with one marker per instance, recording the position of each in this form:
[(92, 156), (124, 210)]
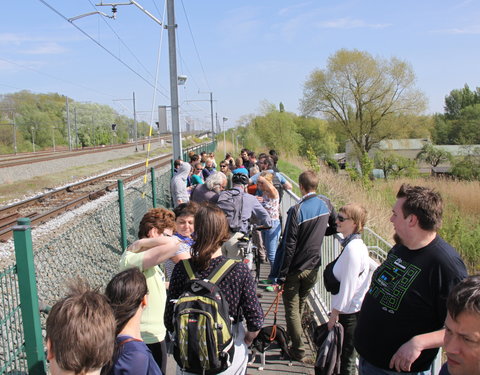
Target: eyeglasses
[(198, 169), (223, 165), (342, 219)]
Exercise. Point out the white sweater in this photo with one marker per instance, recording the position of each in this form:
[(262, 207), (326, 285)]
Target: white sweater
[(353, 261)]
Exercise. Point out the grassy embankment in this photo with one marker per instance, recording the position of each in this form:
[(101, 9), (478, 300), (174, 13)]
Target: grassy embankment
[(461, 219)]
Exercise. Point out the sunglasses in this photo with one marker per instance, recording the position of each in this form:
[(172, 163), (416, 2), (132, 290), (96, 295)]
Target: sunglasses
[(222, 165), (342, 219)]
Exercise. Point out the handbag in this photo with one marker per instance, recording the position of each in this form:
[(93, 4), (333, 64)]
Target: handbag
[(331, 283)]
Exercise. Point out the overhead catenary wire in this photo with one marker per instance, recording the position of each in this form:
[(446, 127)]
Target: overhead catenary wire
[(101, 46)]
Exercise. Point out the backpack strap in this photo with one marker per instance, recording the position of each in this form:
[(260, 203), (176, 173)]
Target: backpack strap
[(218, 273), (221, 270), (188, 268)]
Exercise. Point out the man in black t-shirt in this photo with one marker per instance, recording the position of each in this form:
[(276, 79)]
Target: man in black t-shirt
[(400, 326)]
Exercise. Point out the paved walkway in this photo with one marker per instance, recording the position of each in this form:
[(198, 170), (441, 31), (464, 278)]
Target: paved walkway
[(273, 363)]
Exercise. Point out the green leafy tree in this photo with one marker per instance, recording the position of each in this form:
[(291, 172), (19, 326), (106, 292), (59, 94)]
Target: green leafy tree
[(433, 155), (460, 99), (467, 167), (316, 137), (394, 165), (362, 95)]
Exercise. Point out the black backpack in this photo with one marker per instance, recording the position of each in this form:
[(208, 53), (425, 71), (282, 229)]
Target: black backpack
[(231, 202), (278, 185), (203, 339)]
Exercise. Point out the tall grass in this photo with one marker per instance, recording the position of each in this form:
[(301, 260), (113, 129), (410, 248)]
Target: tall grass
[(461, 218)]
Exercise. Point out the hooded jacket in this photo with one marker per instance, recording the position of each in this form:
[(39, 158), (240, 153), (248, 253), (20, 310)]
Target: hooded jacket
[(178, 184)]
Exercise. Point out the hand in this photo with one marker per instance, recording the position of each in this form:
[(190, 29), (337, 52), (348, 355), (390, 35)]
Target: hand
[(405, 356), (281, 281), (331, 323)]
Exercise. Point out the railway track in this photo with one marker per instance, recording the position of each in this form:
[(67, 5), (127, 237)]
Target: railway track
[(7, 161), (53, 203)]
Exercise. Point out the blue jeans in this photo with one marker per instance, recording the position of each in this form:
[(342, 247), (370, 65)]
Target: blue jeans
[(270, 240), (277, 264), (366, 368)]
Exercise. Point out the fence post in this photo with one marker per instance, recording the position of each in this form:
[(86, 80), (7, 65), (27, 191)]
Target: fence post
[(123, 221), (32, 329), (154, 188)]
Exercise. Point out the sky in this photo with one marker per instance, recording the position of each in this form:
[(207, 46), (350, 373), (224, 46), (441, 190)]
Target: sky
[(245, 53)]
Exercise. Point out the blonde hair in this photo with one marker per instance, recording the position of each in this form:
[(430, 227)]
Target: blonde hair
[(357, 213), (268, 176)]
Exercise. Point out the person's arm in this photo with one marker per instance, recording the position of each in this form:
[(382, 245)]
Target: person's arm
[(333, 319), (289, 242), (156, 250), (407, 353), (268, 187), (260, 213)]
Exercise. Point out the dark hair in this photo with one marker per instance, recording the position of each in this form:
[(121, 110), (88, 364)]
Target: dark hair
[(464, 297), (252, 154), (194, 158), (125, 292), (186, 209), (159, 218), (425, 203), (240, 179), (244, 150), (81, 330), (309, 181), (272, 152), (212, 231), (177, 163), (269, 162)]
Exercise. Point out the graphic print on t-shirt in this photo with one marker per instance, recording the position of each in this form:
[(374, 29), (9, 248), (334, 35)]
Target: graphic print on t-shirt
[(391, 281)]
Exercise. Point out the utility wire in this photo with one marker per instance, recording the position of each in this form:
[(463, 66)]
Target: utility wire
[(195, 45), (101, 46)]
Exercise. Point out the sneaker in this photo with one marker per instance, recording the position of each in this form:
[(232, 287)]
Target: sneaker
[(270, 289), (265, 282)]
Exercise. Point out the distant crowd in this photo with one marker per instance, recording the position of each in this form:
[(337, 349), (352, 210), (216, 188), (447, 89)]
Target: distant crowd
[(186, 287)]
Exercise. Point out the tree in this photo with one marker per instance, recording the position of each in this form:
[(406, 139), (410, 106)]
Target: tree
[(394, 165), (362, 95), (467, 167), (316, 137), (460, 99), (433, 155)]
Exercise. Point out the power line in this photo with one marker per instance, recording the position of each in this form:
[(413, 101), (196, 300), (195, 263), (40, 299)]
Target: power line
[(195, 45), (101, 46)]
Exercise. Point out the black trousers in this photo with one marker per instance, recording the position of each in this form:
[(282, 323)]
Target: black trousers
[(349, 355)]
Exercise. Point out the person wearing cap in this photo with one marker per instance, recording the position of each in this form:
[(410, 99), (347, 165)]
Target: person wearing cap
[(250, 207)]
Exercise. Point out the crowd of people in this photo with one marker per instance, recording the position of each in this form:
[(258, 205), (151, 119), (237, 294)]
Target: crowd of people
[(393, 320)]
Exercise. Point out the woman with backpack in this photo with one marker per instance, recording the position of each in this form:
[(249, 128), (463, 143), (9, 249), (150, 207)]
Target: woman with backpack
[(237, 288), (127, 295)]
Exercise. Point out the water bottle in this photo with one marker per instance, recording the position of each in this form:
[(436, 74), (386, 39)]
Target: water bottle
[(249, 260)]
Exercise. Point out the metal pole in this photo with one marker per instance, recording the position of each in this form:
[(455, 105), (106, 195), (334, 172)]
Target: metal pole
[(123, 220), (154, 188), (224, 139), (76, 129), (176, 134), (211, 115), (27, 285), (53, 138), (33, 138), (135, 124), (14, 134), (68, 127)]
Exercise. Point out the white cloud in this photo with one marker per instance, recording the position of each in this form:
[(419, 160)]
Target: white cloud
[(349, 23)]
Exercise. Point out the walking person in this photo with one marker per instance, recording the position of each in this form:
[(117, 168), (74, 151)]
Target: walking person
[(300, 257), (237, 286)]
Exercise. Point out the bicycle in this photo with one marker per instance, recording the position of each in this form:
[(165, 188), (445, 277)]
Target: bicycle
[(249, 251)]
